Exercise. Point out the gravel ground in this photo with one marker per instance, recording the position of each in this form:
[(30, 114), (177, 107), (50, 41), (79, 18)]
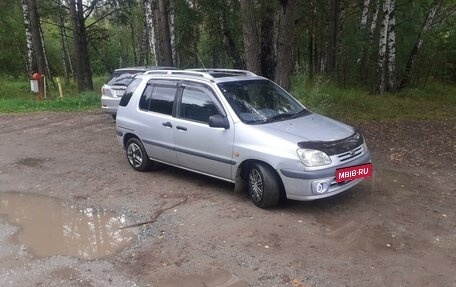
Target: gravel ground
[(396, 229)]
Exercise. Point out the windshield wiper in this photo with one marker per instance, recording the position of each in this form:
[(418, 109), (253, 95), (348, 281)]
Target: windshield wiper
[(301, 113), (285, 116), (278, 117)]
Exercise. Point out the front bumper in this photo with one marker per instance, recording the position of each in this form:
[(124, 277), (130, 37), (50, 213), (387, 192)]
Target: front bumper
[(298, 183)]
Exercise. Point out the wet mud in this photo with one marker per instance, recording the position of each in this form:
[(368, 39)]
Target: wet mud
[(50, 227)]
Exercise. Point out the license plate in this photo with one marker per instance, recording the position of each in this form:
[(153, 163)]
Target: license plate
[(353, 172), (120, 93)]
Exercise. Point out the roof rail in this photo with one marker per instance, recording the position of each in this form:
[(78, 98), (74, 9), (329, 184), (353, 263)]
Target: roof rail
[(232, 71), (181, 72)]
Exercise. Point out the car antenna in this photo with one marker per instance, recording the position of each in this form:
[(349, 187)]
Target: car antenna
[(201, 61)]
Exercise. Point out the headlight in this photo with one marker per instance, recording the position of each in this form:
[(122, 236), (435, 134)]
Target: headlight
[(312, 157)]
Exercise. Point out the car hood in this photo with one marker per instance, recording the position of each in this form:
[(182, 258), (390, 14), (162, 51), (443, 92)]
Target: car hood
[(312, 127)]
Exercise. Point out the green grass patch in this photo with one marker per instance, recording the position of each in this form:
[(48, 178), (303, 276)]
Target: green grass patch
[(83, 101), (434, 101), (15, 97)]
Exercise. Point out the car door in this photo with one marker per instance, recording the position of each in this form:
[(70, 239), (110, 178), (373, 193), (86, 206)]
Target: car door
[(200, 147), (156, 120)]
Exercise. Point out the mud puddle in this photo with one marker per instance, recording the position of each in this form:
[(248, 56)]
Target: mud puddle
[(50, 227), (220, 278)]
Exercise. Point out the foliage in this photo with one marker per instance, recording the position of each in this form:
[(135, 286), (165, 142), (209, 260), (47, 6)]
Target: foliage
[(433, 101), (213, 30)]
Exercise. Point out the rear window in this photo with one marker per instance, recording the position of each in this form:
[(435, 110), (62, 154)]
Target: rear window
[(122, 78)]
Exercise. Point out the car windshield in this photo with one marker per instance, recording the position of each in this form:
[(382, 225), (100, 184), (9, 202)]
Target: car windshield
[(260, 101)]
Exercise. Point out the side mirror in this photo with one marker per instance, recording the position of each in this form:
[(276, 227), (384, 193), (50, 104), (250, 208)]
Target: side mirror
[(219, 121)]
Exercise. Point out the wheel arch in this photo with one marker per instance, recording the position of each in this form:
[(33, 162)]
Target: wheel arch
[(127, 137), (242, 173)]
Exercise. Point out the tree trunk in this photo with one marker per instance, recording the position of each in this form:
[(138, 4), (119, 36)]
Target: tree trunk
[(149, 8), (36, 40), (382, 48), (251, 38), (333, 24), (83, 70), (172, 32), (132, 32), (285, 44), (392, 47), (419, 42), (311, 43), (143, 44), (229, 38), (267, 53), (31, 62), (363, 29), (365, 15), (165, 38), (63, 54), (364, 60)]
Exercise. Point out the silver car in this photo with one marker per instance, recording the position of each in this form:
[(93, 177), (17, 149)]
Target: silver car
[(239, 127), (114, 88)]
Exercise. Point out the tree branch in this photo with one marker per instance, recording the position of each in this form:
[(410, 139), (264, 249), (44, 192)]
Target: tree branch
[(156, 214), (102, 17)]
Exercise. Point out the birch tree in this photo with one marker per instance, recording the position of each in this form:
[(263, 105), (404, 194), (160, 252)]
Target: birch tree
[(172, 32), (36, 39), (149, 7), (31, 63), (365, 15), (391, 47), (368, 25)]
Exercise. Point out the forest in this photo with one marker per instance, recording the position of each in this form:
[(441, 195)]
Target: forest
[(381, 46)]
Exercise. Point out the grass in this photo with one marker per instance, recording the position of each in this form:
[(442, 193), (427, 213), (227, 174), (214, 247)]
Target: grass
[(434, 101), (15, 97)]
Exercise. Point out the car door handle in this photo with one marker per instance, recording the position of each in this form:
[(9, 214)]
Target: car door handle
[(168, 124), (181, 128)]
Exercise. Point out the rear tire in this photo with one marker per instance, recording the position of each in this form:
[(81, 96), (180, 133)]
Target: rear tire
[(263, 185), (137, 155)]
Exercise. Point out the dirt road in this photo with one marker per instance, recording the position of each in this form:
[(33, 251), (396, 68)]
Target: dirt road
[(396, 229)]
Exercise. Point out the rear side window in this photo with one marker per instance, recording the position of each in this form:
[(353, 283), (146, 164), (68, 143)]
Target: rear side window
[(129, 92), (158, 98)]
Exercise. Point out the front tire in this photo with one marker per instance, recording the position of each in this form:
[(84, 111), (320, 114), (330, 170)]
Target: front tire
[(137, 155), (263, 185)]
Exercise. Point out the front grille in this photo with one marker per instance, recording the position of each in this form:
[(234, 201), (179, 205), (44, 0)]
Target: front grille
[(351, 154)]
